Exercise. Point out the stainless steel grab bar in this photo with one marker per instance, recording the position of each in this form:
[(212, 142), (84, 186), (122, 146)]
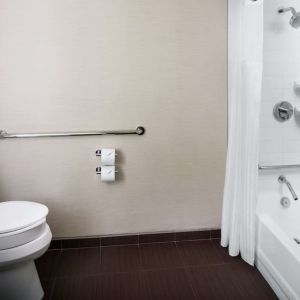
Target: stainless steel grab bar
[(282, 179), (4, 135), (275, 167)]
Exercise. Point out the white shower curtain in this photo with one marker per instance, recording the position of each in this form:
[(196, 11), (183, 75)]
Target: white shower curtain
[(244, 95)]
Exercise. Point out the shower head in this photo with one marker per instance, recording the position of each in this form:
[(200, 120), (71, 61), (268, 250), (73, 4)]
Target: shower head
[(295, 19)]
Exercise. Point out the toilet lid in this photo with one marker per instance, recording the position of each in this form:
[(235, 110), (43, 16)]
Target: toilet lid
[(15, 215)]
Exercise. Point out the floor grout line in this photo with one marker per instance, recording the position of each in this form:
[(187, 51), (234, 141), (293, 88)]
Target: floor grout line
[(61, 247), (189, 279), (131, 244), (183, 266), (104, 273)]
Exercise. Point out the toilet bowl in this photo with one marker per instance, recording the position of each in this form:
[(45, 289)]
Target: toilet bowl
[(24, 236)]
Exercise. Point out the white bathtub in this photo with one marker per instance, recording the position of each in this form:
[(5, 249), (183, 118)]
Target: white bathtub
[(278, 254)]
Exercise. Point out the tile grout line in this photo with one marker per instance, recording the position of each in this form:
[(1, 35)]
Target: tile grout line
[(100, 244), (189, 280), (104, 273), (52, 289), (135, 244)]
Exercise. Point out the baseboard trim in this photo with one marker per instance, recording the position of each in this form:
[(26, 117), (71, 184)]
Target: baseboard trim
[(134, 239)]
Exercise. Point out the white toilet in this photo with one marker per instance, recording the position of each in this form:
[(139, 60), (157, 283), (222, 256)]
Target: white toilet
[(24, 236)]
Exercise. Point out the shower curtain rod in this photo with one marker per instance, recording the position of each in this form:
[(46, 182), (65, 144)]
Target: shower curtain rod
[(138, 131)]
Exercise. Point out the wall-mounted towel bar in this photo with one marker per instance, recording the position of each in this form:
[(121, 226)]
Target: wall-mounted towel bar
[(275, 167), (4, 135)]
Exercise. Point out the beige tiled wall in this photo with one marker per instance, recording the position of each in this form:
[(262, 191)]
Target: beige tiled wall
[(86, 65)]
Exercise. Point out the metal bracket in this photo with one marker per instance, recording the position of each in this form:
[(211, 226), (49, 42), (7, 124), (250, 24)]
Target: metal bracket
[(98, 153), (98, 171)]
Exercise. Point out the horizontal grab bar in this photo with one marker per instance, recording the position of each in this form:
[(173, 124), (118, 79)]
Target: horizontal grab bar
[(274, 167), (4, 135)]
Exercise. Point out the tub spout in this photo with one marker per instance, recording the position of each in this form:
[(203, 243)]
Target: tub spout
[(282, 179)]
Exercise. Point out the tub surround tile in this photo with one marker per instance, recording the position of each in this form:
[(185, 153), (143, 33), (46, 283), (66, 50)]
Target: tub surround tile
[(277, 146)]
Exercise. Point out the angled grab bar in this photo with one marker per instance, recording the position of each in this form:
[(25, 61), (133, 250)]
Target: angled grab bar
[(282, 179)]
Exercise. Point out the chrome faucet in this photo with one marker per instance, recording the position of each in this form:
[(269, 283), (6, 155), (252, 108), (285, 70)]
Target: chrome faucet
[(282, 179)]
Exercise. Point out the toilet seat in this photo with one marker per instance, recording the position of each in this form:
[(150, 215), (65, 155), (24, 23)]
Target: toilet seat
[(28, 251), (15, 215), (24, 236), (20, 237), (21, 222)]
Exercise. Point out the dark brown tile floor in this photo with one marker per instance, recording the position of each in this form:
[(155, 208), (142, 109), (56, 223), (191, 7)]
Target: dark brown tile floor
[(161, 271)]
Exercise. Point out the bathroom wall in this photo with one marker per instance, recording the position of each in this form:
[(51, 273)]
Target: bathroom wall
[(280, 142), (91, 65)]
